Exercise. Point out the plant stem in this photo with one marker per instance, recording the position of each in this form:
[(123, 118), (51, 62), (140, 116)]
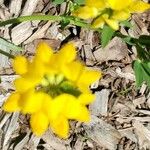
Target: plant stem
[(30, 18), (7, 54), (73, 20)]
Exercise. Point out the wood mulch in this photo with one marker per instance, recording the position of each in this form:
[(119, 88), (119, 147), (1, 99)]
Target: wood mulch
[(120, 115)]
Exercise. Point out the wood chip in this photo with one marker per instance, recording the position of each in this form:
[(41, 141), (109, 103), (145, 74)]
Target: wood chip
[(4, 60), (7, 81), (102, 133), (78, 144), (29, 7), (143, 135), (15, 7), (128, 76), (40, 33), (11, 127), (138, 101), (129, 134), (33, 142), (21, 144), (115, 50), (100, 105), (21, 32), (3, 98), (53, 142)]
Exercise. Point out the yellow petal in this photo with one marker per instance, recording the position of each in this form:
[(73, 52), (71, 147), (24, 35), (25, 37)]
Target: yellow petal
[(98, 23), (60, 127), (57, 106), (54, 66), (84, 116), (44, 52), (119, 4), (39, 123), (121, 15), (74, 110), (20, 65), (67, 53), (31, 101), (86, 12), (72, 70), (86, 79), (114, 24), (37, 69), (11, 104), (139, 6), (23, 84), (89, 76), (100, 4), (86, 99), (46, 104), (83, 87)]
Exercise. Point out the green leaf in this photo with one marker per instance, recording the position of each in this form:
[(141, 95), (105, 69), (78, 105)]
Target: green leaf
[(4, 44), (79, 2), (144, 40), (142, 72), (56, 2), (128, 40), (143, 54), (137, 70), (106, 36), (146, 66), (64, 23), (126, 23)]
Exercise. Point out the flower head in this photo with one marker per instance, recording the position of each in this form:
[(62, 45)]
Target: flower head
[(53, 88), (110, 12)]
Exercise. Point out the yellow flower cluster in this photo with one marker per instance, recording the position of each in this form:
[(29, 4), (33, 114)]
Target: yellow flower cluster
[(53, 88), (110, 12)]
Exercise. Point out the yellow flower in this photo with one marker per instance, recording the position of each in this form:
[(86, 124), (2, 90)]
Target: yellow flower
[(53, 88), (46, 111), (80, 75), (133, 6), (138, 6), (100, 21), (90, 10), (34, 70), (86, 12), (110, 12), (118, 4), (39, 123), (66, 107)]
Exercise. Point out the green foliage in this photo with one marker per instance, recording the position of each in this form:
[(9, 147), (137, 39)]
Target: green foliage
[(144, 40), (4, 44), (58, 1), (64, 23), (142, 67), (126, 23), (143, 53), (106, 36), (79, 2), (142, 72), (128, 40)]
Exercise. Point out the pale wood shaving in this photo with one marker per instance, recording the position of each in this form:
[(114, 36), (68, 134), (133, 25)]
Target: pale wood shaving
[(102, 133)]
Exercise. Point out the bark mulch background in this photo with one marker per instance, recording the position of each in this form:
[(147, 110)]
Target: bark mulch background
[(120, 114)]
